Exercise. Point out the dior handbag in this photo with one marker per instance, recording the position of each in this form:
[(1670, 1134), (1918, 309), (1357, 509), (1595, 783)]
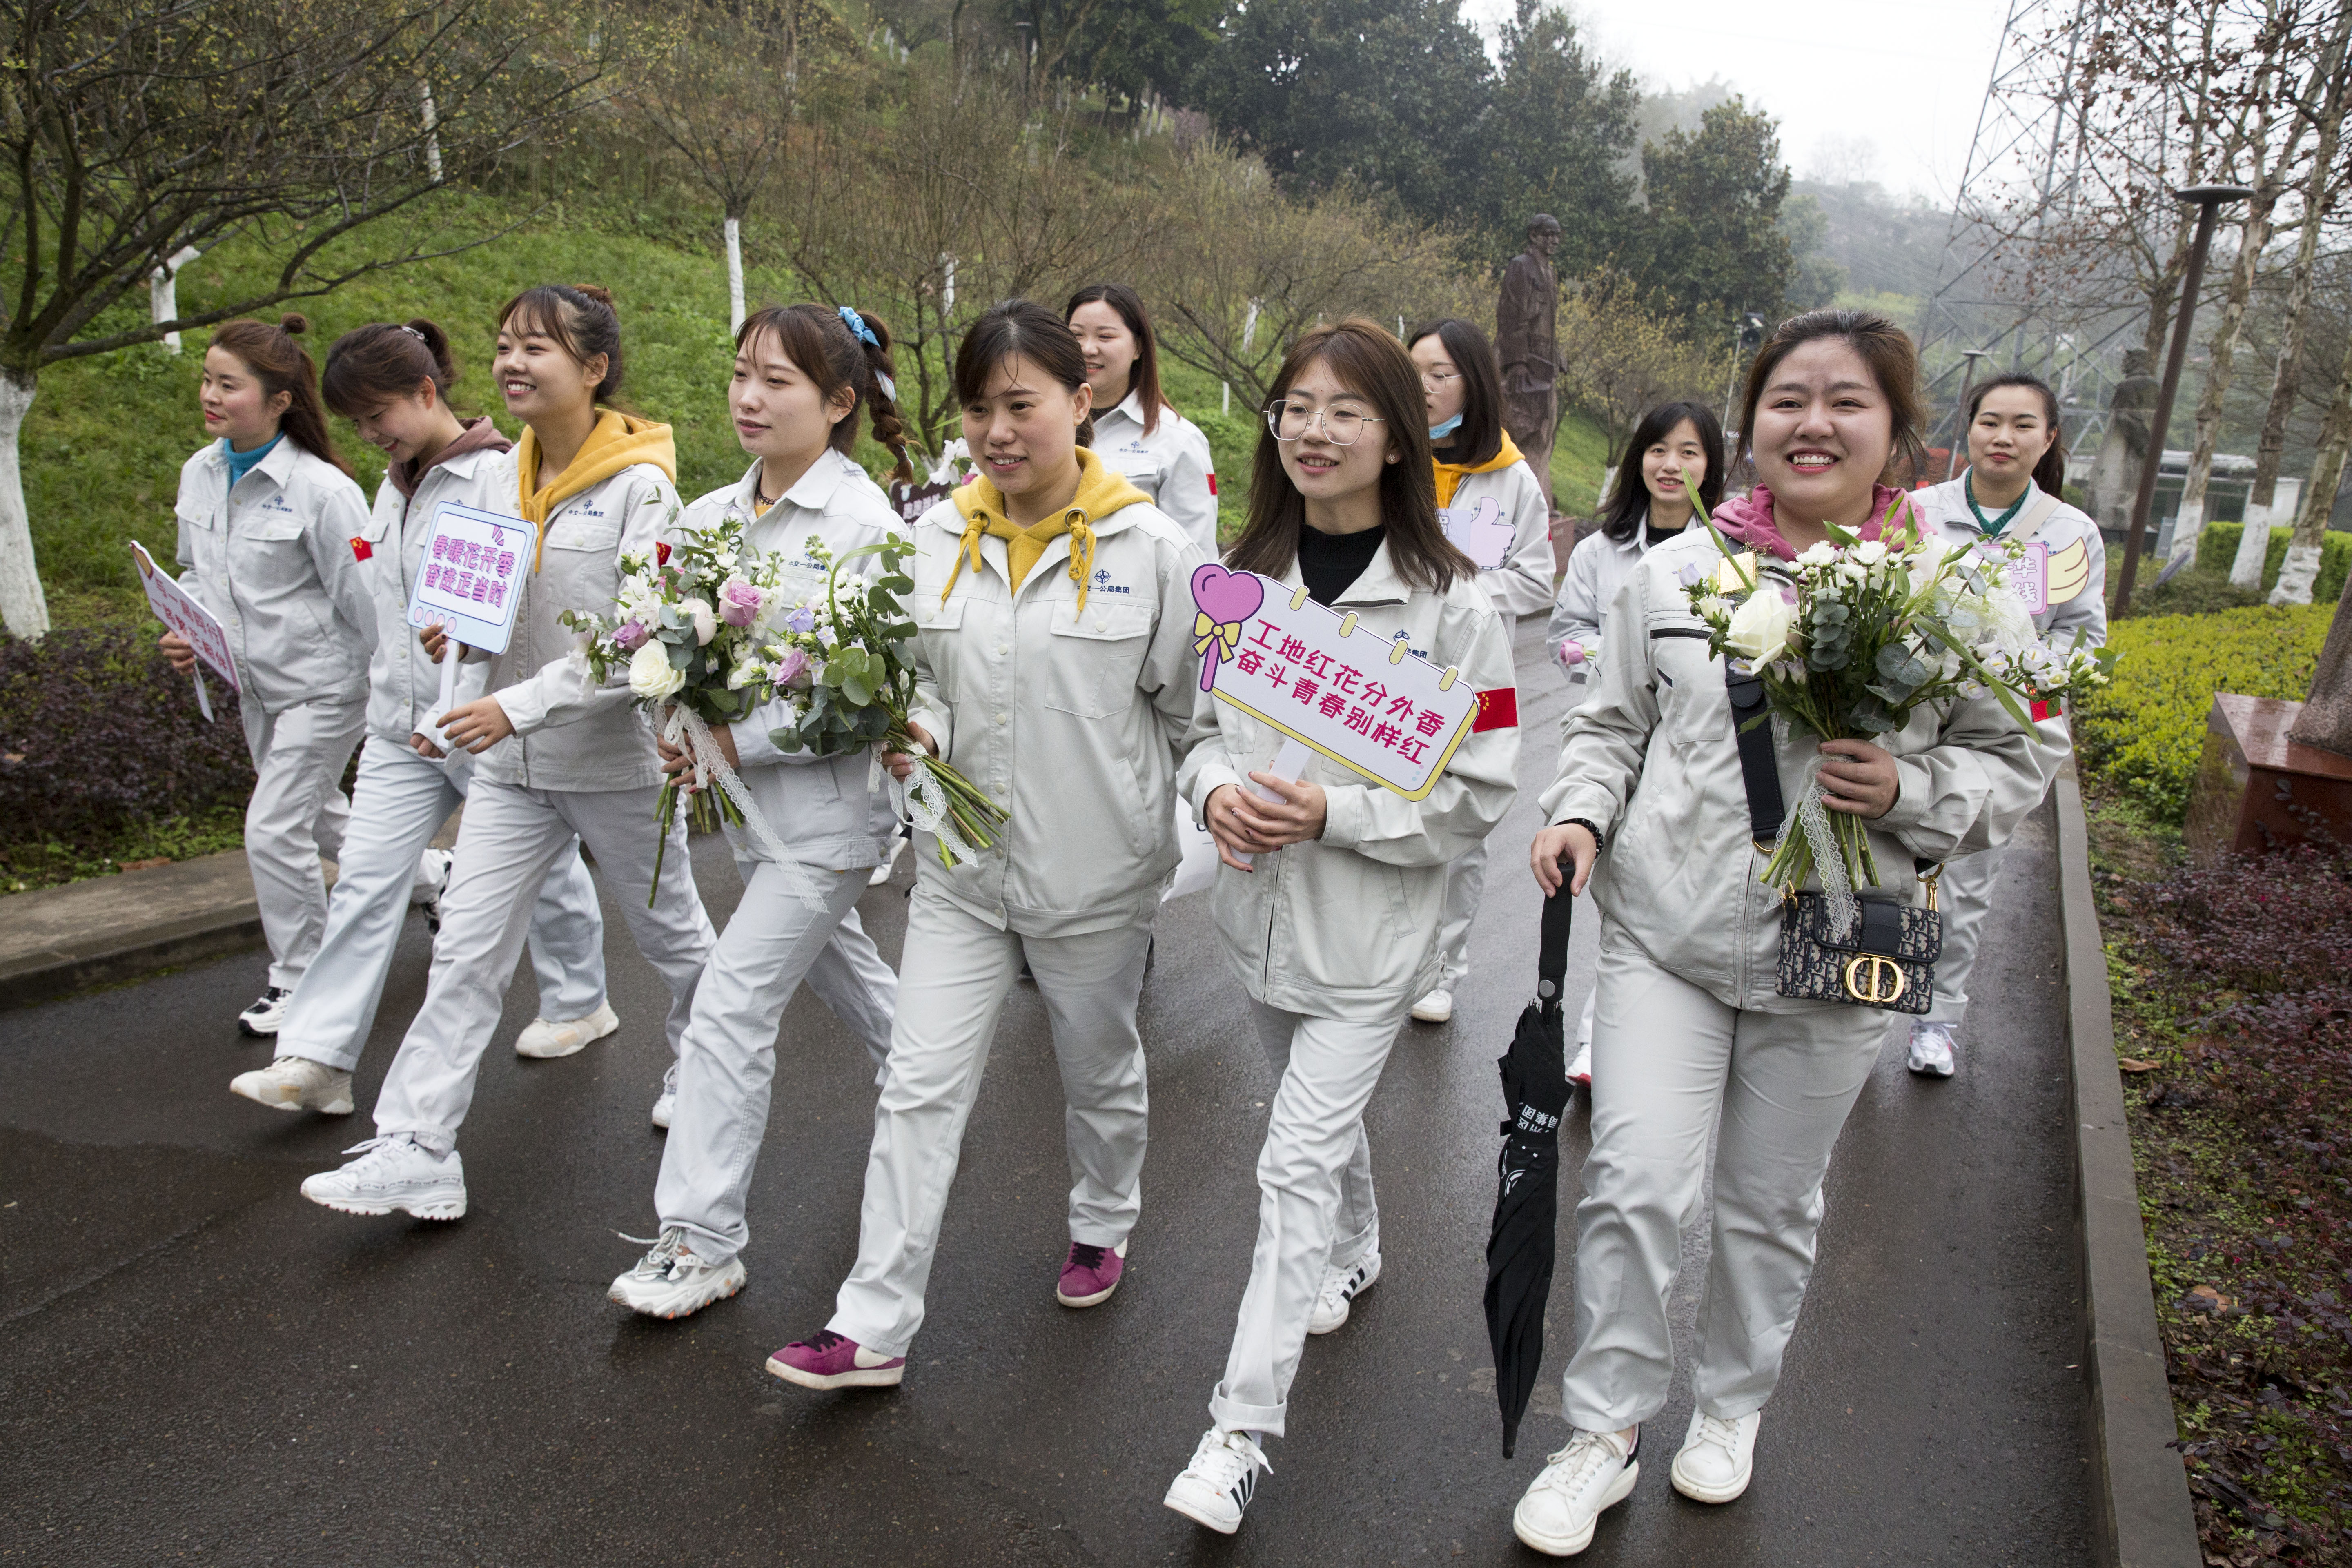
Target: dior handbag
[(1887, 959)]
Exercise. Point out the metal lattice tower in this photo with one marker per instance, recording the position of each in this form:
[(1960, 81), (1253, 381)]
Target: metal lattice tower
[(2023, 172)]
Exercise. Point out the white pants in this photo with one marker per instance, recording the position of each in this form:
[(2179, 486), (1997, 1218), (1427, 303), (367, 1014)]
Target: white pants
[(954, 977), (400, 802), (296, 819), (1671, 1064), (1964, 893), (1465, 880), (851, 977), (727, 1066), (1315, 1205), (510, 839)]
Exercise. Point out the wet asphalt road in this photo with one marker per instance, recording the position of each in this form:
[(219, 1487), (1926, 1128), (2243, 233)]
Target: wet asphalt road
[(197, 1364)]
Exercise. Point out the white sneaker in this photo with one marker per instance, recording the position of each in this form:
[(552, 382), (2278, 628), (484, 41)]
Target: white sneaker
[(1718, 1457), (1579, 1070), (665, 1102), (670, 1281), (1434, 1008), (881, 876), (544, 1039), (1220, 1482), (432, 881), (262, 1019), (394, 1173), (1557, 1514), (1340, 1287), (1931, 1050), (296, 1083)]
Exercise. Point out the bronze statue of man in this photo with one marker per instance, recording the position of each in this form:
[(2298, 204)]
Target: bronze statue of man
[(1526, 341)]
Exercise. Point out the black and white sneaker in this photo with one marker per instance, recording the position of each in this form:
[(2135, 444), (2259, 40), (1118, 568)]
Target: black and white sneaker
[(1341, 1287), (1218, 1484), (262, 1019)]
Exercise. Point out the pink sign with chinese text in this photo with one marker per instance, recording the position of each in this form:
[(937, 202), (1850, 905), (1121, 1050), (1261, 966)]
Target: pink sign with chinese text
[(176, 609), (471, 578)]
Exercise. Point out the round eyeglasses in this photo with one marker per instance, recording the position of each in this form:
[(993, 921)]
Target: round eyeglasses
[(1341, 427)]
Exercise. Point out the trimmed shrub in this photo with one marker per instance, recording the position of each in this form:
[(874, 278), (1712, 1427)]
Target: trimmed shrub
[(2217, 548), (2142, 736), (98, 738)]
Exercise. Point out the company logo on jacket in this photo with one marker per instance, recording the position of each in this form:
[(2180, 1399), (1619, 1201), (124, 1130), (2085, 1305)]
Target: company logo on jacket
[(1103, 585)]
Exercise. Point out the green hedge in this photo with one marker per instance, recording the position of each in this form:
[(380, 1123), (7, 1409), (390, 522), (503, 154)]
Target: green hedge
[(2143, 735), (2217, 549)]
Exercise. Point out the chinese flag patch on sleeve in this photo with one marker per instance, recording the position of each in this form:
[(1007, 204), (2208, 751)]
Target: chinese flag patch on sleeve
[(1212, 484), (2044, 709), (363, 550), (1498, 709)]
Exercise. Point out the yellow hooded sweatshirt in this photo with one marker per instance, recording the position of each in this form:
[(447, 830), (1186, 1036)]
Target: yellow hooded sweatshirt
[(1451, 474), (1102, 490), (617, 441)]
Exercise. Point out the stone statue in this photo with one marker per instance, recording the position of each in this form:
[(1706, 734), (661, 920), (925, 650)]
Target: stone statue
[(1527, 342), (2115, 472)]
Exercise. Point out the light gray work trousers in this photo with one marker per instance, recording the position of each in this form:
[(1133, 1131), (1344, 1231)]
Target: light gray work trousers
[(1964, 894), (296, 819), (1465, 880)]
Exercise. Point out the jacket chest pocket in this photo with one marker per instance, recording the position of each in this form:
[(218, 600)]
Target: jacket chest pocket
[(1691, 707), (577, 564), (1093, 661), (265, 550)]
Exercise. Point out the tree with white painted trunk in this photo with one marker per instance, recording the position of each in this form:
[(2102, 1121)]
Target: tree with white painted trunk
[(725, 93), (132, 131), (2300, 568)]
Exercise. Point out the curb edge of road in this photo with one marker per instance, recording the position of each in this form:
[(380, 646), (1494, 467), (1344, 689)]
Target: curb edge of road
[(2141, 1512), (108, 931)]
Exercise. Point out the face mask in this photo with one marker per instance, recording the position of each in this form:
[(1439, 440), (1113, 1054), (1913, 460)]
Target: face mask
[(1439, 432)]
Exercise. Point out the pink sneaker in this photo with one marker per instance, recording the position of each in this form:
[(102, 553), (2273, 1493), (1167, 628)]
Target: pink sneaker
[(1090, 1274), (826, 1360)]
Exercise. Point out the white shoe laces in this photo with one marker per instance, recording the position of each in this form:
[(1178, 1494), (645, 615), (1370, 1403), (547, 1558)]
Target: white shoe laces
[(1587, 1457), (1224, 1457), (1721, 1434)]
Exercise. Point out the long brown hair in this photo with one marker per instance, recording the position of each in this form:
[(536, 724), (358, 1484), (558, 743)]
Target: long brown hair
[(280, 364), (2050, 473), (1027, 329), (580, 319), (1885, 347), (818, 340), (372, 367), (1480, 435), (1371, 362), (1144, 377)]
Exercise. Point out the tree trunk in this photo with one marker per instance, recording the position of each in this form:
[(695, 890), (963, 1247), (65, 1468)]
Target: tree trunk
[(22, 605), (734, 274), (2223, 351), (2302, 567)]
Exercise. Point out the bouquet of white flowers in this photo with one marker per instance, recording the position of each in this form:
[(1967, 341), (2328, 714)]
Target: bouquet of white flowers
[(1853, 634)]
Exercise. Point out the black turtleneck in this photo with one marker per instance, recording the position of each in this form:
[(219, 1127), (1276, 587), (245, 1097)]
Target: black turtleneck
[(1328, 563)]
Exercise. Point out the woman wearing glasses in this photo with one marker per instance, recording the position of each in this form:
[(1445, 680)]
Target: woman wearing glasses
[(1483, 485), (1327, 901)]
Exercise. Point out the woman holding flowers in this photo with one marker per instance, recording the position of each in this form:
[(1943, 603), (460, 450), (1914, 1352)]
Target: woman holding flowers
[(392, 382), (1327, 898), (802, 375), (2010, 493), (1053, 663), (562, 754), (1691, 1034), (268, 510)]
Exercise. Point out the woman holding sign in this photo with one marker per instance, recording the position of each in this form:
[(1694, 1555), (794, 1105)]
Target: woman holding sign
[(2010, 490), (1693, 1043), (801, 376), (268, 510), (1494, 508), (563, 759), (1054, 657), (392, 382), (1328, 901)]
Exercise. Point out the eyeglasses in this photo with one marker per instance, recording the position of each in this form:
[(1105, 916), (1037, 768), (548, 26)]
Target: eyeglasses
[(1341, 427), (1436, 380)]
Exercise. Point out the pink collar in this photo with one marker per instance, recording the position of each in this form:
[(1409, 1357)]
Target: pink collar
[(1749, 519)]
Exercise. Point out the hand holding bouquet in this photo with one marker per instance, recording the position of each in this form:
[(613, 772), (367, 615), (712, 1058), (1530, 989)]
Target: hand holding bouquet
[(842, 661)]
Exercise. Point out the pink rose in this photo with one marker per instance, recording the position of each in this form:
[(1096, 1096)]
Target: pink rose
[(739, 603), (793, 668), (629, 635)]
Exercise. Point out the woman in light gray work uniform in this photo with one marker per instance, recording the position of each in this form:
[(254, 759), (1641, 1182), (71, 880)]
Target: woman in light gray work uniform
[(394, 382), (1477, 466), (1327, 899), (802, 375), (1054, 659), (2010, 490), (1676, 445), (1137, 432), (563, 757), (1691, 1043), (268, 511)]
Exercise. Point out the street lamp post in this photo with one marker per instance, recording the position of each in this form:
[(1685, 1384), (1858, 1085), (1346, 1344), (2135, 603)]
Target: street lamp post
[(2208, 198), (1957, 459)]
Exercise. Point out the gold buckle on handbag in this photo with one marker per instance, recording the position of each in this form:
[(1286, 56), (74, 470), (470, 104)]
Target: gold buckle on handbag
[(1870, 985), (1929, 879)]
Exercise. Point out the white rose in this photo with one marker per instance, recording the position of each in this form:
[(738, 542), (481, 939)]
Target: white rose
[(1759, 628), (650, 676), (706, 621), (1870, 553)]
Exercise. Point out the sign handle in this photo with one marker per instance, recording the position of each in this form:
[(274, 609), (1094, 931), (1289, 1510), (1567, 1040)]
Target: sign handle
[(1288, 764), (204, 698), (430, 729)]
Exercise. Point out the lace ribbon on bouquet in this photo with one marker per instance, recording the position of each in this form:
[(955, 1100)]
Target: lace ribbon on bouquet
[(710, 762), (1812, 818), (923, 800)]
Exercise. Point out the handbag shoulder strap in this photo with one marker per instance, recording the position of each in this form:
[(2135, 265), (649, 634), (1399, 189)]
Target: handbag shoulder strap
[(1758, 767), (2030, 523)]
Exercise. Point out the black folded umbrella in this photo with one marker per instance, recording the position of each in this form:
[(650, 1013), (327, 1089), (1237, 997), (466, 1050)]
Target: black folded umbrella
[(1526, 1198)]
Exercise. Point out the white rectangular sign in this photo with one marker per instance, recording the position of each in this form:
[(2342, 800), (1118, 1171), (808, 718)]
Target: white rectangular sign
[(177, 609), (1368, 704), (1482, 533), (472, 576)]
